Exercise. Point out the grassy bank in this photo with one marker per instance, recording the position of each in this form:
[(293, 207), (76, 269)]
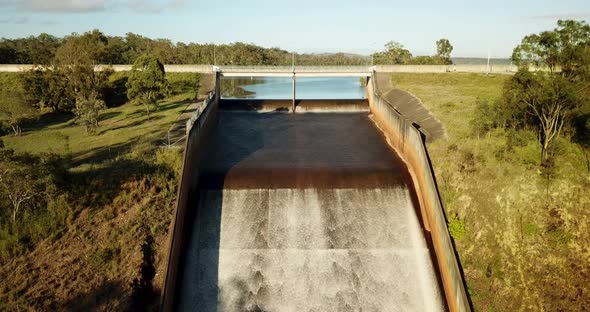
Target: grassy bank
[(107, 248), (522, 235)]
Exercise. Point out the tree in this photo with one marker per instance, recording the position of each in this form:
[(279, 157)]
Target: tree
[(394, 53), (77, 58), (15, 108), (89, 48), (42, 48), (444, 50), (88, 112), (565, 49), (49, 87), (556, 97), (546, 101), (31, 50), (23, 180), (29, 181), (147, 83)]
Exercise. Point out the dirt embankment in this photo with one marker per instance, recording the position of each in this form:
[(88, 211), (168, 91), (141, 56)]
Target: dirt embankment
[(108, 259)]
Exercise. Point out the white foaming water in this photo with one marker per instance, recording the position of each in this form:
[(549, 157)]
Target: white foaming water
[(308, 250)]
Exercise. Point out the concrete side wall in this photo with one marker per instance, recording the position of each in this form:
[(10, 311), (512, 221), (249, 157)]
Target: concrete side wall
[(409, 143), (409, 106), (196, 139)]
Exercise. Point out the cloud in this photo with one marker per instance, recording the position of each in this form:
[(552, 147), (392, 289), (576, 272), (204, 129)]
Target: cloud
[(14, 20), (19, 20), (564, 16), (64, 5), (8, 3), (82, 6), (154, 6)]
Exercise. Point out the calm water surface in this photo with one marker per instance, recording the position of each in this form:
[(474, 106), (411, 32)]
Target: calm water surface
[(281, 88)]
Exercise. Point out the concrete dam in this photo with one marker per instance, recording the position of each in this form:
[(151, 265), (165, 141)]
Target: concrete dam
[(307, 206)]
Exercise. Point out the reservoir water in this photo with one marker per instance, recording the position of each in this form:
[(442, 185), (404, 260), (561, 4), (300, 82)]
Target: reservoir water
[(281, 88)]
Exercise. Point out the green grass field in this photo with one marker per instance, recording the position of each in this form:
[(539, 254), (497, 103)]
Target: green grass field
[(523, 239), (124, 125)]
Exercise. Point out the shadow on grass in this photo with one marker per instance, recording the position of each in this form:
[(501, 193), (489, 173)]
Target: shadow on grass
[(143, 293), (106, 170), (109, 115), (50, 119), (162, 108), (132, 124), (99, 155), (110, 296), (96, 188)]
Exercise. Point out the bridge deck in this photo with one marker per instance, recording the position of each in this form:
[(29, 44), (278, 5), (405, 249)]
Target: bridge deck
[(299, 71)]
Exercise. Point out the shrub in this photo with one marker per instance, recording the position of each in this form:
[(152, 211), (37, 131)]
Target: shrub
[(456, 227), (104, 256), (530, 230), (484, 119), (33, 207)]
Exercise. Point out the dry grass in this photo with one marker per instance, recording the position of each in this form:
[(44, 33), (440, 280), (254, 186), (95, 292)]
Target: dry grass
[(525, 245)]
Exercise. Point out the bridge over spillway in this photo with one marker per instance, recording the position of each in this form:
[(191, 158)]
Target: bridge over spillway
[(297, 71), (292, 72), (329, 208)]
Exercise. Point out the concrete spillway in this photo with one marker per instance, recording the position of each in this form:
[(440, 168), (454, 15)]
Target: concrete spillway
[(304, 212)]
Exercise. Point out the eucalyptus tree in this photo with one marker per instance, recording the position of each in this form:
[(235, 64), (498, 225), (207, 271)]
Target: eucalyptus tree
[(147, 83), (552, 97), (444, 48), (15, 108), (77, 58), (394, 53), (566, 49)]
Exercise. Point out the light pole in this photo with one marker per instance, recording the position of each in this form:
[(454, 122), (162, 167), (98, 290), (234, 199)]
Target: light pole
[(488, 69), (293, 68)]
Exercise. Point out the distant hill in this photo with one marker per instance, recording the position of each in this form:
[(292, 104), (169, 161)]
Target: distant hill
[(480, 61)]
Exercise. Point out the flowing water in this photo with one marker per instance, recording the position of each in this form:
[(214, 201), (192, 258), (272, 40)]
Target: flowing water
[(305, 212)]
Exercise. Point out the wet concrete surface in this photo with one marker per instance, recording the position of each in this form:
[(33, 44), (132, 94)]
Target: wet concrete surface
[(304, 212), (282, 150)]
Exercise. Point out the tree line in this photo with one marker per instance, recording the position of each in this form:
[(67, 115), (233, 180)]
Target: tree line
[(396, 53), (44, 50)]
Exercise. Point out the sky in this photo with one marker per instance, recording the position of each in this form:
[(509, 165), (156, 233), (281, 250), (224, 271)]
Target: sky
[(475, 28)]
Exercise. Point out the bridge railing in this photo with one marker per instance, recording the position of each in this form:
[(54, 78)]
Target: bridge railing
[(301, 69), (177, 133), (197, 113)]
